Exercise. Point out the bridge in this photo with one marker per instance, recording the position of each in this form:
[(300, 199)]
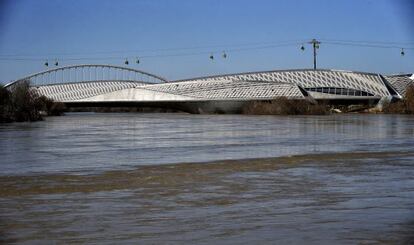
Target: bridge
[(107, 85)]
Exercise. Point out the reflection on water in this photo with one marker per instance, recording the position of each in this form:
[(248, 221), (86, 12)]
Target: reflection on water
[(95, 179), (86, 143)]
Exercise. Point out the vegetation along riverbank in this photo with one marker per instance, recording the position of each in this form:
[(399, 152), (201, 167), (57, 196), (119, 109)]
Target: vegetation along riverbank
[(286, 106), (404, 106), (20, 103)]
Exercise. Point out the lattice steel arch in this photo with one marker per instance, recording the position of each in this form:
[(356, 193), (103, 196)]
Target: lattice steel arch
[(36, 77)]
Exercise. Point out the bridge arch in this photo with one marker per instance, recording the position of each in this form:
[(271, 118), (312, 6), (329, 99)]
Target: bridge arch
[(89, 73)]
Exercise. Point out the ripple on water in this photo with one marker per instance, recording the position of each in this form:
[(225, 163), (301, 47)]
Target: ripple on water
[(310, 198), (139, 178)]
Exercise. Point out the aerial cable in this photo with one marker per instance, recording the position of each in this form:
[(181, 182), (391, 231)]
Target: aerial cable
[(155, 50), (367, 42), (366, 45), (378, 44), (224, 54)]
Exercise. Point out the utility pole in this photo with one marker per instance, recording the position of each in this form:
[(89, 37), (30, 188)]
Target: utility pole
[(315, 43)]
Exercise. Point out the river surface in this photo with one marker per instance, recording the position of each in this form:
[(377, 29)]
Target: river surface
[(208, 179)]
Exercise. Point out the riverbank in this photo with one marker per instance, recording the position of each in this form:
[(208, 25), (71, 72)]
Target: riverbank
[(404, 106), (20, 103)]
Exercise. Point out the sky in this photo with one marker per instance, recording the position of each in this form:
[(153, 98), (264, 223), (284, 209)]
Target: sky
[(174, 38)]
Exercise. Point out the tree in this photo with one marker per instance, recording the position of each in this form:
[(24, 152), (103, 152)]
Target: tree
[(4, 105)]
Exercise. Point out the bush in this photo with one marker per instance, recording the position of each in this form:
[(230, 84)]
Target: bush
[(404, 106), (51, 107), (5, 110), (285, 106), (409, 99), (20, 103), (23, 103)]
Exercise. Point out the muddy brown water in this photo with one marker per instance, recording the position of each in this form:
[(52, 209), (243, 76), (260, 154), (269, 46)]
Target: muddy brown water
[(208, 179)]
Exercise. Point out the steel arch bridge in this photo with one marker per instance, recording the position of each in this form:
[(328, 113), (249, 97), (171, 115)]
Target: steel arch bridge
[(89, 73), (107, 85)]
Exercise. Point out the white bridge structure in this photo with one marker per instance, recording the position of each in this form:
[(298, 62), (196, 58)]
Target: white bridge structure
[(107, 85)]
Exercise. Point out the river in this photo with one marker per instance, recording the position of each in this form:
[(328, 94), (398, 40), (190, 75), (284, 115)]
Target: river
[(108, 178)]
